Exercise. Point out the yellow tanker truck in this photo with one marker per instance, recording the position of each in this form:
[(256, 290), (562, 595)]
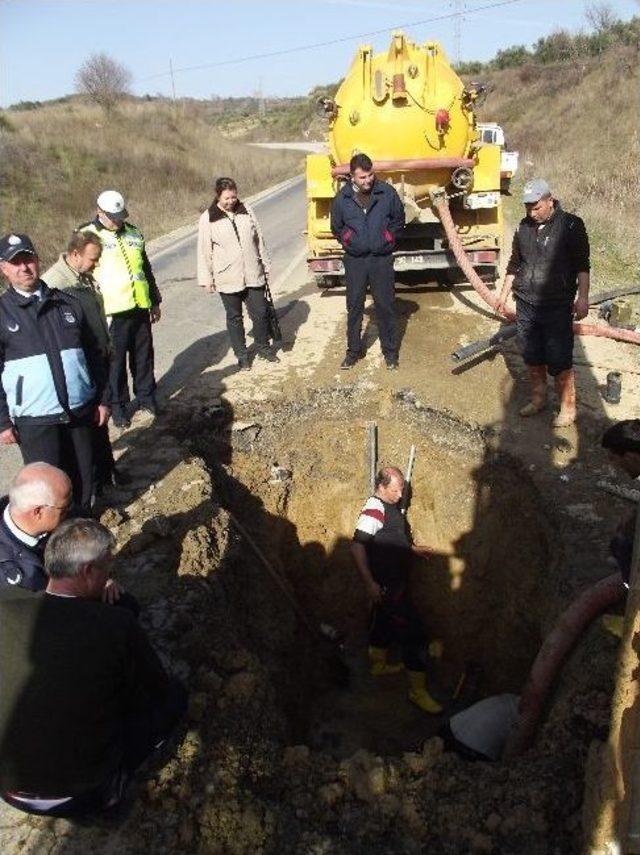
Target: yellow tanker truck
[(410, 112)]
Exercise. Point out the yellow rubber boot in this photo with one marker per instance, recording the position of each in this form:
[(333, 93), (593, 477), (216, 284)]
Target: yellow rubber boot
[(419, 695), (379, 666), (538, 387), (613, 624)]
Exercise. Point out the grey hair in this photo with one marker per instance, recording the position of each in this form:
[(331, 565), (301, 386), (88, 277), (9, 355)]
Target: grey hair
[(75, 543), (28, 491)]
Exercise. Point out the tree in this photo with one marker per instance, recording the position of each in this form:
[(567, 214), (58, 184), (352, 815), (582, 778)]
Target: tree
[(104, 80), (601, 17)]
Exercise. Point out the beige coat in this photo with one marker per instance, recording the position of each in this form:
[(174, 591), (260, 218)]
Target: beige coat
[(231, 262)]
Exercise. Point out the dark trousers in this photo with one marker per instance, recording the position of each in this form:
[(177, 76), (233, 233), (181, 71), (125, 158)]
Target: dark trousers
[(103, 462), (376, 271), (397, 622), (67, 446), (133, 343), (257, 308), (545, 334), (145, 731)]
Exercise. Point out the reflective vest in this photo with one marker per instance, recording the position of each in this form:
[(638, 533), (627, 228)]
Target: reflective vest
[(120, 271)]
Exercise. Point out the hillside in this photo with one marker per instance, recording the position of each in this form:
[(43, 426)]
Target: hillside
[(57, 157), (575, 123)]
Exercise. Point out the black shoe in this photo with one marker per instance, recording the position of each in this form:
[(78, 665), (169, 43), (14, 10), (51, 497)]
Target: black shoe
[(349, 361), (244, 364), (391, 362), (120, 419), (268, 356)]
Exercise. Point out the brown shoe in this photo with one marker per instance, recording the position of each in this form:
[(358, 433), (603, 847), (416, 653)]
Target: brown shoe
[(538, 385), (566, 389)]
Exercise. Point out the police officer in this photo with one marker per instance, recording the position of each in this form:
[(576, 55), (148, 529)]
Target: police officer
[(549, 274), (131, 301), (54, 385)]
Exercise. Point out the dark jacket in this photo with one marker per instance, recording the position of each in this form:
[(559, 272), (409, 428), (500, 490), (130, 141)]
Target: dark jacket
[(21, 566), (72, 671), (546, 261), (50, 367), (374, 232)]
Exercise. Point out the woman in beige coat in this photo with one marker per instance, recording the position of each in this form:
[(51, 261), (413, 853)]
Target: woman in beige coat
[(232, 260)]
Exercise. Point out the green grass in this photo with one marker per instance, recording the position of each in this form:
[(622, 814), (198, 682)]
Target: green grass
[(56, 158)]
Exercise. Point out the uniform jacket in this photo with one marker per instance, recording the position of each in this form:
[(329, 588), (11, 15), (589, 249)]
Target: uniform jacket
[(546, 261), (374, 232), (86, 290), (21, 566), (124, 272), (49, 366), (231, 252)]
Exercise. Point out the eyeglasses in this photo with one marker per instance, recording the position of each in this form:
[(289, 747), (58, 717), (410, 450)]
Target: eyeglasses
[(58, 507)]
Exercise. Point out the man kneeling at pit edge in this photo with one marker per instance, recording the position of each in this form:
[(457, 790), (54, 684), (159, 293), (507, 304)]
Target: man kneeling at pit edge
[(85, 700)]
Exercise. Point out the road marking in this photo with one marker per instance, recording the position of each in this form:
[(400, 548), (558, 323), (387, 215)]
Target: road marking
[(256, 199)]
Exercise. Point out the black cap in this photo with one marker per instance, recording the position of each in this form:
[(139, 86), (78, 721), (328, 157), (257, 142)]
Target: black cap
[(13, 244)]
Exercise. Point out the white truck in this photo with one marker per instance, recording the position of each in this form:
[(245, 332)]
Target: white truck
[(493, 134)]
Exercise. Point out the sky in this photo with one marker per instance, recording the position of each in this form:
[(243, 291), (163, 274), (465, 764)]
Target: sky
[(44, 42)]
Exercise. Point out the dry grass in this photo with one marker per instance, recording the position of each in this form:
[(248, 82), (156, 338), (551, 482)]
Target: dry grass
[(56, 159), (576, 125)]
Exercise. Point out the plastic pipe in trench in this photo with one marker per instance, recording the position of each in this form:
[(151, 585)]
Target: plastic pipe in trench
[(491, 299)]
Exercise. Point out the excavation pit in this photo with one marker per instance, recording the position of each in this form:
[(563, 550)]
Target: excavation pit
[(297, 476)]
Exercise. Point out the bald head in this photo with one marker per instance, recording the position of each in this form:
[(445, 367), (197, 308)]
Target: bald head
[(38, 484), (389, 484)]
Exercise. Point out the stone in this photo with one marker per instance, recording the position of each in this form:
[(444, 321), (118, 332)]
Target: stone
[(296, 755), (330, 794), (415, 763), (481, 843), (366, 775), (492, 822), (198, 703), (240, 687)]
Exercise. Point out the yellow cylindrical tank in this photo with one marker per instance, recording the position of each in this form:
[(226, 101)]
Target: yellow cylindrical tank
[(404, 105)]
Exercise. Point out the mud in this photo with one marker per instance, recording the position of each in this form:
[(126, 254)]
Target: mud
[(278, 755)]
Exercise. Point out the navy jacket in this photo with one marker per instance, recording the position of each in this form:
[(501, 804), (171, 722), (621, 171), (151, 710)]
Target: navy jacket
[(21, 566), (49, 365), (373, 233), (546, 261)]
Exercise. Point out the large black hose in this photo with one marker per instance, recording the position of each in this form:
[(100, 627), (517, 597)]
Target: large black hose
[(504, 333)]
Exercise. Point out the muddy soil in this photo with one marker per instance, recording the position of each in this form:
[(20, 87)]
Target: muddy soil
[(278, 754)]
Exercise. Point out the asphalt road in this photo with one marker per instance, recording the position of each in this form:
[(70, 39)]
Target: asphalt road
[(186, 339)]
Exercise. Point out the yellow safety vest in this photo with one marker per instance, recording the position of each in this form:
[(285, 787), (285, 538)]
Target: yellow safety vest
[(120, 273)]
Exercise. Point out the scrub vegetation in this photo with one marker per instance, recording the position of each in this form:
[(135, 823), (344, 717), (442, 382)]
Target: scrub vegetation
[(57, 157)]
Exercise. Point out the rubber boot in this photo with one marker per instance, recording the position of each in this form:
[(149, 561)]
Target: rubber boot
[(379, 666), (613, 624), (566, 389), (419, 695), (538, 385)]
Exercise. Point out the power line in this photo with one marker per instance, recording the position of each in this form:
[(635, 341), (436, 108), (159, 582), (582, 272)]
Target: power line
[(284, 51)]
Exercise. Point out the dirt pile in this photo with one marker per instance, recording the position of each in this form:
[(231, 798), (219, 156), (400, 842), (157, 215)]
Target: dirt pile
[(276, 756)]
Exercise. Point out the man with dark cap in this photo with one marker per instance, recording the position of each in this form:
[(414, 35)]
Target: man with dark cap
[(549, 274), (54, 386)]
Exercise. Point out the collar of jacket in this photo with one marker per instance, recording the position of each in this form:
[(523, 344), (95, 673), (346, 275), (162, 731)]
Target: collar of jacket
[(557, 209), (377, 188), (45, 292), (100, 226), (216, 213)]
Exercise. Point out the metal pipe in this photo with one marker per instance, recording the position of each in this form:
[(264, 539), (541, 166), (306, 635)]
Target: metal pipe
[(410, 165), (469, 350)]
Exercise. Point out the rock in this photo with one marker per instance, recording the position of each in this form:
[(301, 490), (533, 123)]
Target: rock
[(279, 474), (198, 703), (492, 822), (330, 794), (296, 755), (113, 518), (415, 763), (187, 831), (389, 805), (432, 750), (240, 687), (366, 775), (481, 843)]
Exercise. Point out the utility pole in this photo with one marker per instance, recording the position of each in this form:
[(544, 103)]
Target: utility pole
[(173, 82), (457, 29), (262, 107)]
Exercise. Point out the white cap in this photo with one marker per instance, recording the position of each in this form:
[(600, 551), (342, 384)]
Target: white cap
[(112, 203)]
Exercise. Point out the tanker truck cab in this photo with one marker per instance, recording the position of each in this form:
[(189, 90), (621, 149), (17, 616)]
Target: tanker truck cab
[(412, 115), (492, 134)]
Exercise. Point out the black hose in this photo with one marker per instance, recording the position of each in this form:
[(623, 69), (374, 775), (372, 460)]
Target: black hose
[(611, 295), (504, 333)]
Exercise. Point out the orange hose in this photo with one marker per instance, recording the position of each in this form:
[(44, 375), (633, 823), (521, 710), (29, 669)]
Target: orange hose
[(490, 298)]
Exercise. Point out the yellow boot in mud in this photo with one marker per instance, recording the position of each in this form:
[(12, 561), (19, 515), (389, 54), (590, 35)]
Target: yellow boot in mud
[(379, 666), (419, 695)]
